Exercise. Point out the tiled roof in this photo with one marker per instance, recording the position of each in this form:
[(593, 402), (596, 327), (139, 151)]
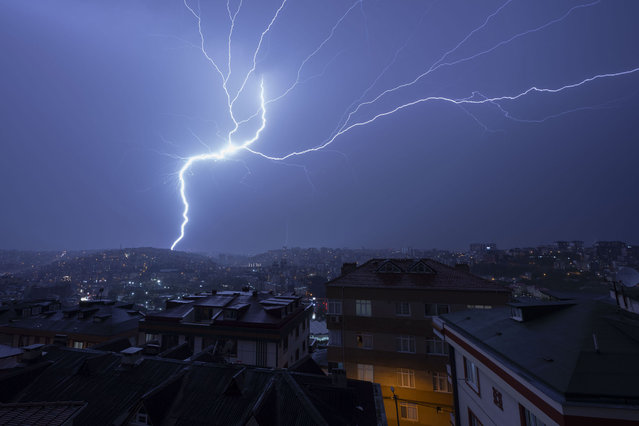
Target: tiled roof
[(113, 319), (39, 413), (437, 276), (192, 393)]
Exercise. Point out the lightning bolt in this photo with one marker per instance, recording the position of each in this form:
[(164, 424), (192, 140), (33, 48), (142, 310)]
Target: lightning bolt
[(348, 124)]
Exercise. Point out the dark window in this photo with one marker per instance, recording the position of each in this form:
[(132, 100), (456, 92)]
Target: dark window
[(497, 399), (473, 420)]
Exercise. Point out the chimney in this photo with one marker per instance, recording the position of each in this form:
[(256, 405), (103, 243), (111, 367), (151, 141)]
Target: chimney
[(131, 356), (338, 377), (32, 353), (348, 267)]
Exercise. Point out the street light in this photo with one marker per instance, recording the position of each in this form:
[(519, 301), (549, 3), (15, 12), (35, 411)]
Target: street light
[(392, 388)]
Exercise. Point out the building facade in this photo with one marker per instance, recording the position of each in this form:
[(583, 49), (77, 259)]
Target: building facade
[(380, 329), (253, 328), (567, 363)]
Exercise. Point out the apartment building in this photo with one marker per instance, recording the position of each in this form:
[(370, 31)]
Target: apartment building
[(89, 323), (568, 363), (253, 328), (380, 329)]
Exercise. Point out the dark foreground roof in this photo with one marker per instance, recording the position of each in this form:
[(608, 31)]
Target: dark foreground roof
[(413, 273), (555, 348), (39, 413), (189, 393)]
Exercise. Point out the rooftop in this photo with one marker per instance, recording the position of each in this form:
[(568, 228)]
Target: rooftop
[(101, 318), (187, 393), (253, 308), (580, 350), (413, 273)]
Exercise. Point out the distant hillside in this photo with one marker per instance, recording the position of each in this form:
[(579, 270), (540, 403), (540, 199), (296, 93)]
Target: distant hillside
[(12, 261), (108, 264)]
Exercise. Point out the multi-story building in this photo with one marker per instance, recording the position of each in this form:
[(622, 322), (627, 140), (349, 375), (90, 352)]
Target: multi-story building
[(380, 329), (568, 363), (84, 325), (254, 328)]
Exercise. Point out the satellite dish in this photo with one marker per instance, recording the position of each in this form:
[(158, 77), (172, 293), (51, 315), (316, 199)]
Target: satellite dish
[(629, 277)]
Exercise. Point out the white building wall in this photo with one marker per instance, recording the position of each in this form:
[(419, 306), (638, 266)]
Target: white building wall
[(483, 405)]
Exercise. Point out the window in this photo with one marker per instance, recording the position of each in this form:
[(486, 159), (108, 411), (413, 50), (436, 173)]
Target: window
[(434, 309), (471, 374), (389, 267), (335, 337), (528, 418), (516, 314), (479, 306), (440, 383), (402, 309), (408, 411), (473, 420), (406, 344), (365, 372), (141, 417), (363, 308), (406, 378), (436, 346), (78, 345), (334, 307), (150, 337), (365, 341), (497, 399)]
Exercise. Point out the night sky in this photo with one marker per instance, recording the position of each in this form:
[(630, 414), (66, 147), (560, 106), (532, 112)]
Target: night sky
[(102, 103)]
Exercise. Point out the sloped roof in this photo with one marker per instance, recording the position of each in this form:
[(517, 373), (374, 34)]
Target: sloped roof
[(191, 393), (436, 276), (96, 378), (556, 351), (39, 413), (116, 319)]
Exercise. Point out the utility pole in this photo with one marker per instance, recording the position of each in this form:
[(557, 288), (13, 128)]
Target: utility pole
[(392, 388)]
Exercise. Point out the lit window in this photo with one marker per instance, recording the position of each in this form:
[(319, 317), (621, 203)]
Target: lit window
[(406, 344), (78, 345), (402, 309), (365, 341), (436, 347), (363, 308), (335, 337), (406, 378), (408, 411), (434, 309), (529, 419), (334, 307), (365, 372), (440, 383), (471, 374)]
